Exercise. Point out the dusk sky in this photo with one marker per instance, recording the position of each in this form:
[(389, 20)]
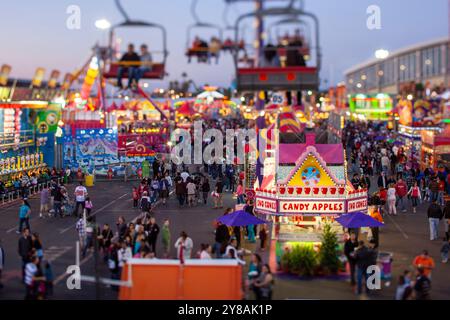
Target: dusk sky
[(35, 33)]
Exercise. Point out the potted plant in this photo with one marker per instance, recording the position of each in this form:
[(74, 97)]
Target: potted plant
[(328, 253)]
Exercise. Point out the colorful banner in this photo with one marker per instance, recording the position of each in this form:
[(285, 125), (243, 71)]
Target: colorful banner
[(136, 145), (421, 113), (96, 147)]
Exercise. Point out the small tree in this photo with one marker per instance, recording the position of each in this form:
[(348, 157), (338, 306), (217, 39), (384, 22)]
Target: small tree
[(328, 254)]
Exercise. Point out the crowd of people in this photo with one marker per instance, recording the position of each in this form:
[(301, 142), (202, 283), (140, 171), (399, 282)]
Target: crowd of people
[(379, 163)]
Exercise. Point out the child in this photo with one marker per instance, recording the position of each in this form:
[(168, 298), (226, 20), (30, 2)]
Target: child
[(135, 195), (444, 251), (88, 205)]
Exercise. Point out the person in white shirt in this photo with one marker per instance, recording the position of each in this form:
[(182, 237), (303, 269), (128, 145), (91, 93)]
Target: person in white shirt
[(80, 197), (391, 199), (191, 188), (124, 254), (206, 251), (184, 246)]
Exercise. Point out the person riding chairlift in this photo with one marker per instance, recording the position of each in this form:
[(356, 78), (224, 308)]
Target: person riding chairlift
[(129, 56)]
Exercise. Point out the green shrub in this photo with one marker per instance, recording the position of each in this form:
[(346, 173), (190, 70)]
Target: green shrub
[(301, 260), (328, 253)]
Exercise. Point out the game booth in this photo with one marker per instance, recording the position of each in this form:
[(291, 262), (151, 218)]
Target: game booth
[(415, 117), (377, 107), (304, 188), (435, 149)]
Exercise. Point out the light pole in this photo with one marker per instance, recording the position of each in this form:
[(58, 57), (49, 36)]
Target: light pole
[(103, 25)]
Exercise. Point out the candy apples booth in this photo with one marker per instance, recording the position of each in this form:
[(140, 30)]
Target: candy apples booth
[(304, 188)]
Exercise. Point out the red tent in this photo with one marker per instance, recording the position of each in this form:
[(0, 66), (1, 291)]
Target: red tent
[(185, 110)]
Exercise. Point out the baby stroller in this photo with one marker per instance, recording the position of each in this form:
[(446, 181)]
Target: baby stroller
[(67, 207)]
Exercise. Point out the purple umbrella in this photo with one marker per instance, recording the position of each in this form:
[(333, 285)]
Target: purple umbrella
[(358, 220), (398, 143), (380, 138), (240, 219)]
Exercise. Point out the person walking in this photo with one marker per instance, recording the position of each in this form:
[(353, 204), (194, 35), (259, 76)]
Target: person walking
[(165, 233), (446, 213), (422, 285), (363, 258), (80, 197), (45, 201), (240, 192), (391, 199), (415, 194), (205, 190), (434, 189), (153, 231), (24, 215), (184, 246), (425, 262), (57, 201), (180, 191), (349, 249), (401, 189), (190, 188), (435, 215), (25, 246), (37, 246), (81, 230), (218, 200)]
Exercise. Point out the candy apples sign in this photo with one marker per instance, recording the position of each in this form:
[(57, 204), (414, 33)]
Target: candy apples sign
[(319, 207)]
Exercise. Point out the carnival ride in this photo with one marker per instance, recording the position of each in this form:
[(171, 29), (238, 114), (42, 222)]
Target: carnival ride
[(287, 77), (199, 48), (158, 70)]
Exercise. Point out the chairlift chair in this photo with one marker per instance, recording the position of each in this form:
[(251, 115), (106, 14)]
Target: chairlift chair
[(278, 78), (158, 69)]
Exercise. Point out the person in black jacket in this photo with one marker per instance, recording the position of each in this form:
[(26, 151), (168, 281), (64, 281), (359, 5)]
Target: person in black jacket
[(153, 231), (129, 56), (363, 259), (222, 237), (25, 246), (422, 285), (349, 249), (435, 215), (121, 228), (205, 190)]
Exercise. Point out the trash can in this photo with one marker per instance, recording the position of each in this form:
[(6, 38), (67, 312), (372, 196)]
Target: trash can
[(89, 180), (385, 263)]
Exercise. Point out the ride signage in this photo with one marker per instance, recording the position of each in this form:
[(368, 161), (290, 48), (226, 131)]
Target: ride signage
[(319, 207)]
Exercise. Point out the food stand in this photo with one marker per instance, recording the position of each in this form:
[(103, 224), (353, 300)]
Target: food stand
[(306, 187)]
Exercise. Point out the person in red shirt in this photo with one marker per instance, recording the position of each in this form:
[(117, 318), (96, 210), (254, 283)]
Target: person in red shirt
[(426, 262), (401, 189)]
